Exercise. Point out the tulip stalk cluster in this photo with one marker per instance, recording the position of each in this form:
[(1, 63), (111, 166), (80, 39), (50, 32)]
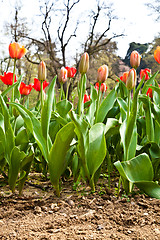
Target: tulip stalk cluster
[(105, 129)]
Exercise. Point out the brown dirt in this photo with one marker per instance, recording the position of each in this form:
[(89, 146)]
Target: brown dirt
[(39, 214)]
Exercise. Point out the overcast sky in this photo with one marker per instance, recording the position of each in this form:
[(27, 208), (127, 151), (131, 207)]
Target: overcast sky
[(134, 19)]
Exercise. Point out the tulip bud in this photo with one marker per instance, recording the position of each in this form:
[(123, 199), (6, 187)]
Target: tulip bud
[(135, 59), (157, 54), (84, 63), (62, 75), (42, 71), (131, 79), (15, 112), (102, 73)]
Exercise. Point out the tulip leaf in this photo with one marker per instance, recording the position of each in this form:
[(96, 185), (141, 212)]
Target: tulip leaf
[(63, 107), (25, 169), (57, 156), (97, 148), (34, 126), (112, 127), (148, 117), (16, 157), (46, 112), (139, 171), (9, 135), (106, 105)]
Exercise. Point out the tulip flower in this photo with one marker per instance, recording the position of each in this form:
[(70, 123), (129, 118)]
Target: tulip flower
[(84, 63), (63, 75), (103, 87), (144, 72), (8, 78), (86, 98), (131, 79), (71, 72), (16, 51), (42, 71), (102, 73), (135, 59), (157, 54), (149, 92), (124, 77), (37, 84), (25, 89)]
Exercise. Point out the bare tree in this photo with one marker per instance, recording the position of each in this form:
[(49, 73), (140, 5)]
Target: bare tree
[(155, 7), (96, 42)]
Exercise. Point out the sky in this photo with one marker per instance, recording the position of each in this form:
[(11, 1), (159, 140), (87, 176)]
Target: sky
[(134, 20)]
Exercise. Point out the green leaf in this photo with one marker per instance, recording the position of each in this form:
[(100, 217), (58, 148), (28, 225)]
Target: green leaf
[(139, 171), (112, 127), (46, 113), (25, 167), (14, 167), (149, 120), (22, 137), (106, 105), (63, 107), (97, 148), (57, 160), (9, 135), (34, 126)]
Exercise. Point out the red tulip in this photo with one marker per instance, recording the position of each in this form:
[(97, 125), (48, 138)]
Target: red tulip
[(71, 71), (16, 51), (102, 73), (86, 98), (124, 77), (135, 59), (144, 72), (25, 89), (37, 84), (157, 54), (103, 87), (149, 92), (8, 78)]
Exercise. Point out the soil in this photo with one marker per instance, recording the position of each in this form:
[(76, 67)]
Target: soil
[(39, 214)]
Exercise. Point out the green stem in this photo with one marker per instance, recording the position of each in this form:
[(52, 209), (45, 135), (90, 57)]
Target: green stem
[(41, 95), (57, 190), (129, 104), (98, 102), (92, 185), (80, 100), (68, 83), (61, 92), (14, 69)]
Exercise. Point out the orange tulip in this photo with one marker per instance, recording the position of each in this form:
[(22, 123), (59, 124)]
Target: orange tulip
[(102, 73), (16, 51), (157, 54), (135, 59)]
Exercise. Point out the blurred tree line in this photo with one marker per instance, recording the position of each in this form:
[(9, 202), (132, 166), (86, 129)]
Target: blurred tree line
[(53, 46)]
